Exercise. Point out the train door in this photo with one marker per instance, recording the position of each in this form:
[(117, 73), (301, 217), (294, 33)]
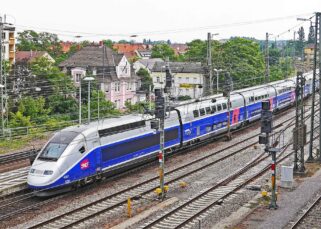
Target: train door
[(198, 131), (96, 144)]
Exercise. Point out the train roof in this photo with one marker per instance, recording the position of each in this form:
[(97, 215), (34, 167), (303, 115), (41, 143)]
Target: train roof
[(106, 123)]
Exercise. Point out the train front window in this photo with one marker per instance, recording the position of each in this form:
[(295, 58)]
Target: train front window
[(53, 151), (57, 145)]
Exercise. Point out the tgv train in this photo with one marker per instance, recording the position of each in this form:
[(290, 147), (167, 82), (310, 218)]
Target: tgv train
[(80, 154)]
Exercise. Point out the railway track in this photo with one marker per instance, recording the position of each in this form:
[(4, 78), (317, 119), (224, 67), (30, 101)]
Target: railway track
[(84, 214), (113, 202), (310, 217), (191, 211), (13, 180), (15, 157)]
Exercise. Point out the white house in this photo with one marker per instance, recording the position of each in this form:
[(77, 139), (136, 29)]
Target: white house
[(188, 78)]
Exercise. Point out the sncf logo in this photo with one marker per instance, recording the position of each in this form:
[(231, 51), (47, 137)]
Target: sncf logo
[(84, 164)]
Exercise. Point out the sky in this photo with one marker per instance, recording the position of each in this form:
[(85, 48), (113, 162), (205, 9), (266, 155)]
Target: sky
[(177, 20)]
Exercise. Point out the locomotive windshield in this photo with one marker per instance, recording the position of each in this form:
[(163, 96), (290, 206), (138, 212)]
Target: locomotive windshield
[(57, 145)]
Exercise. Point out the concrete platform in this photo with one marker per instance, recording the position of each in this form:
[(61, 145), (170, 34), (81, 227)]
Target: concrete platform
[(290, 202)]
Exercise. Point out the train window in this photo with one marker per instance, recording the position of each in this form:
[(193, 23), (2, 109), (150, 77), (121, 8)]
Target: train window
[(255, 98), (213, 109), (224, 106), (208, 110), (195, 113), (121, 128), (219, 107), (52, 151), (134, 145), (82, 149), (202, 111)]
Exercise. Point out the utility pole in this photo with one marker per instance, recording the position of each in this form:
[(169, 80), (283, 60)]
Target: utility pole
[(228, 88), (1, 79), (208, 84), (299, 132), (267, 64), (80, 100), (317, 21)]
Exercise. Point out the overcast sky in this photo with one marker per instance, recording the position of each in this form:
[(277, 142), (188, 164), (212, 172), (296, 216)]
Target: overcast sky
[(177, 20)]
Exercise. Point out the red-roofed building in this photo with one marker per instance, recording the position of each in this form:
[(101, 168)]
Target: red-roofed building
[(179, 48), (130, 50), (25, 57), (65, 46)]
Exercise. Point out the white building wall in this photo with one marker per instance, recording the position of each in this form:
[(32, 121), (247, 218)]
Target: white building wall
[(185, 84), (123, 68)]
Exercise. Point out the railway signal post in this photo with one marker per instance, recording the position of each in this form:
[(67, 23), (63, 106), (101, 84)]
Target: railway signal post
[(264, 138), (160, 115)]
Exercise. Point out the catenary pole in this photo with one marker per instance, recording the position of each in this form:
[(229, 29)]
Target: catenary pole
[(311, 158), (267, 64), (208, 81), (316, 34), (1, 79)]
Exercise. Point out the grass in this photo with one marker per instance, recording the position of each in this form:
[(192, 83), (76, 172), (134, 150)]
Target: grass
[(18, 144)]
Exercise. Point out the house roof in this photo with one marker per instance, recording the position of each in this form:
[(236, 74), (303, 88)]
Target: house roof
[(149, 63), (180, 67), (28, 56), (129, 50), (309, 46), (179, 48), (92, 56)]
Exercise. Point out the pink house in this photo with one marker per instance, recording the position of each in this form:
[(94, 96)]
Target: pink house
[(112, 71)]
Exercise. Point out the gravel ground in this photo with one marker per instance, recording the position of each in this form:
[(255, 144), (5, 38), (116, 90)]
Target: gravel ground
[(195, 184)]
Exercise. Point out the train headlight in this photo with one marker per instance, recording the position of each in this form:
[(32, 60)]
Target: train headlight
[(48, 172), (32, 170)]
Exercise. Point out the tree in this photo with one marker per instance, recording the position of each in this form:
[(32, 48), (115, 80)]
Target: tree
[(243, 60), (19, 120), (196, 51), (106, 107), (34, 108), (146, 80), (300, 42), (31, 40), (163, 51), (311, 36), (109, 43)]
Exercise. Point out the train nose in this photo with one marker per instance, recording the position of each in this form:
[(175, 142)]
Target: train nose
[(38, 177)]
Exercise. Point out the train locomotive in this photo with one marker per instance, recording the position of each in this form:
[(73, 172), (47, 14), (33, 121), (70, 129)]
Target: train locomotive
[(81, 154)]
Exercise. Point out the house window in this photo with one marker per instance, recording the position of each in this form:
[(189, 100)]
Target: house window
[(78, 77), (195, 80), (157, 79), (117, 86), (3, 36), (127, 88), (179, 79), (3, 49), (187, 79)]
